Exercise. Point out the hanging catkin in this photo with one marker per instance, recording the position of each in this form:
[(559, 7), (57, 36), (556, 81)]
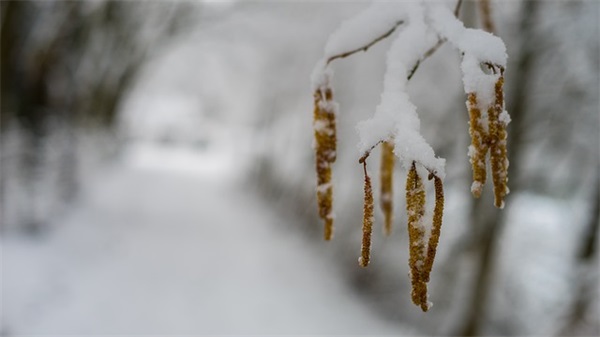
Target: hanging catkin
[(436, 228), (367, 229), (483, 62), (415, 207), (387, 182), (325, 150), (478, 149), (498, 155)]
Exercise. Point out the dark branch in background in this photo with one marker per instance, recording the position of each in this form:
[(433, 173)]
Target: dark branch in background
[(366, 47), (486, 16), (63, 84), (490, 225), (457, 8)]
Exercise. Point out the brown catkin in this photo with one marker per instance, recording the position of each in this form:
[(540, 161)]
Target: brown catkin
[(498, 152), (387, 189), (367, 228), (325, 150), (436, 228), (415, 207), (478, 149)]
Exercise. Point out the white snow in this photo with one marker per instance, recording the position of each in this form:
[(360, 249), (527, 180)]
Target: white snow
[(152, 251), (321, 75), (548, 272), (396, 116), (504, 117), (482, 45), (478, 47)]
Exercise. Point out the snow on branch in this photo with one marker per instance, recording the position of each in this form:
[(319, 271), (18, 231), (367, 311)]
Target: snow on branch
[(425, 26), (483, 63), (396, 117)]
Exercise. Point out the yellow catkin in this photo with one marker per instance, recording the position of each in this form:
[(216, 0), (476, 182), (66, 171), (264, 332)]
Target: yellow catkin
[(387, 189), (415, 207), (478, 149), (367, 229), (436, 228), (498, 152), (325, 150)]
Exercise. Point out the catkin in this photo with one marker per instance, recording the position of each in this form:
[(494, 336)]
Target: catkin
[(367, 229), (478, 149), (415, 207), (498, 153), (387, 189), (436, 228), (325, 150)]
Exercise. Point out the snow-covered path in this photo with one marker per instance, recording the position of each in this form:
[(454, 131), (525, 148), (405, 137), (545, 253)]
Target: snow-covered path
[(152, 250)]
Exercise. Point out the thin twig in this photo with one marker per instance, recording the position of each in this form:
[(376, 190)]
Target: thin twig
[(433, 49), (368, 152), (366, 47), (412, 72)]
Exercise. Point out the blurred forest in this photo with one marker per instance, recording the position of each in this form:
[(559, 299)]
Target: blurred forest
[(84, 82)]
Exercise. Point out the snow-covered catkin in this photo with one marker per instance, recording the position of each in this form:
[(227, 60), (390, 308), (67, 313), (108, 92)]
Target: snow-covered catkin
[(387, 190), (478, 148), (498, 152), (367, 228), (325, 149), (436, 228), (415, 207)]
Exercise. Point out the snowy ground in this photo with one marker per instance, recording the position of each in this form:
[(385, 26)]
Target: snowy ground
[(167, 243)]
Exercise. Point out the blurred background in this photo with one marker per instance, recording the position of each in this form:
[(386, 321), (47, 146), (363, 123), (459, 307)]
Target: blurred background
[(157, 175)]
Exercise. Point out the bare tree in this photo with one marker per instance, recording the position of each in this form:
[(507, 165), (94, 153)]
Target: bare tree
[(66, 66)]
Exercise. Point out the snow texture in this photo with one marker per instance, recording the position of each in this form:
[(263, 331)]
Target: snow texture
[(154, 251), (478, 48), (364, 28), (396, 117), (321, 75)]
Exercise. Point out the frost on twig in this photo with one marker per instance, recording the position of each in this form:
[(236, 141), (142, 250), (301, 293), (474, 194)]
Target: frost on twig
[(419, 29)]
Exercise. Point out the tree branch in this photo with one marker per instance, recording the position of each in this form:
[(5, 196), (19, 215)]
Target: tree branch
[(366, 47), (425, 56), (433, 49)]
